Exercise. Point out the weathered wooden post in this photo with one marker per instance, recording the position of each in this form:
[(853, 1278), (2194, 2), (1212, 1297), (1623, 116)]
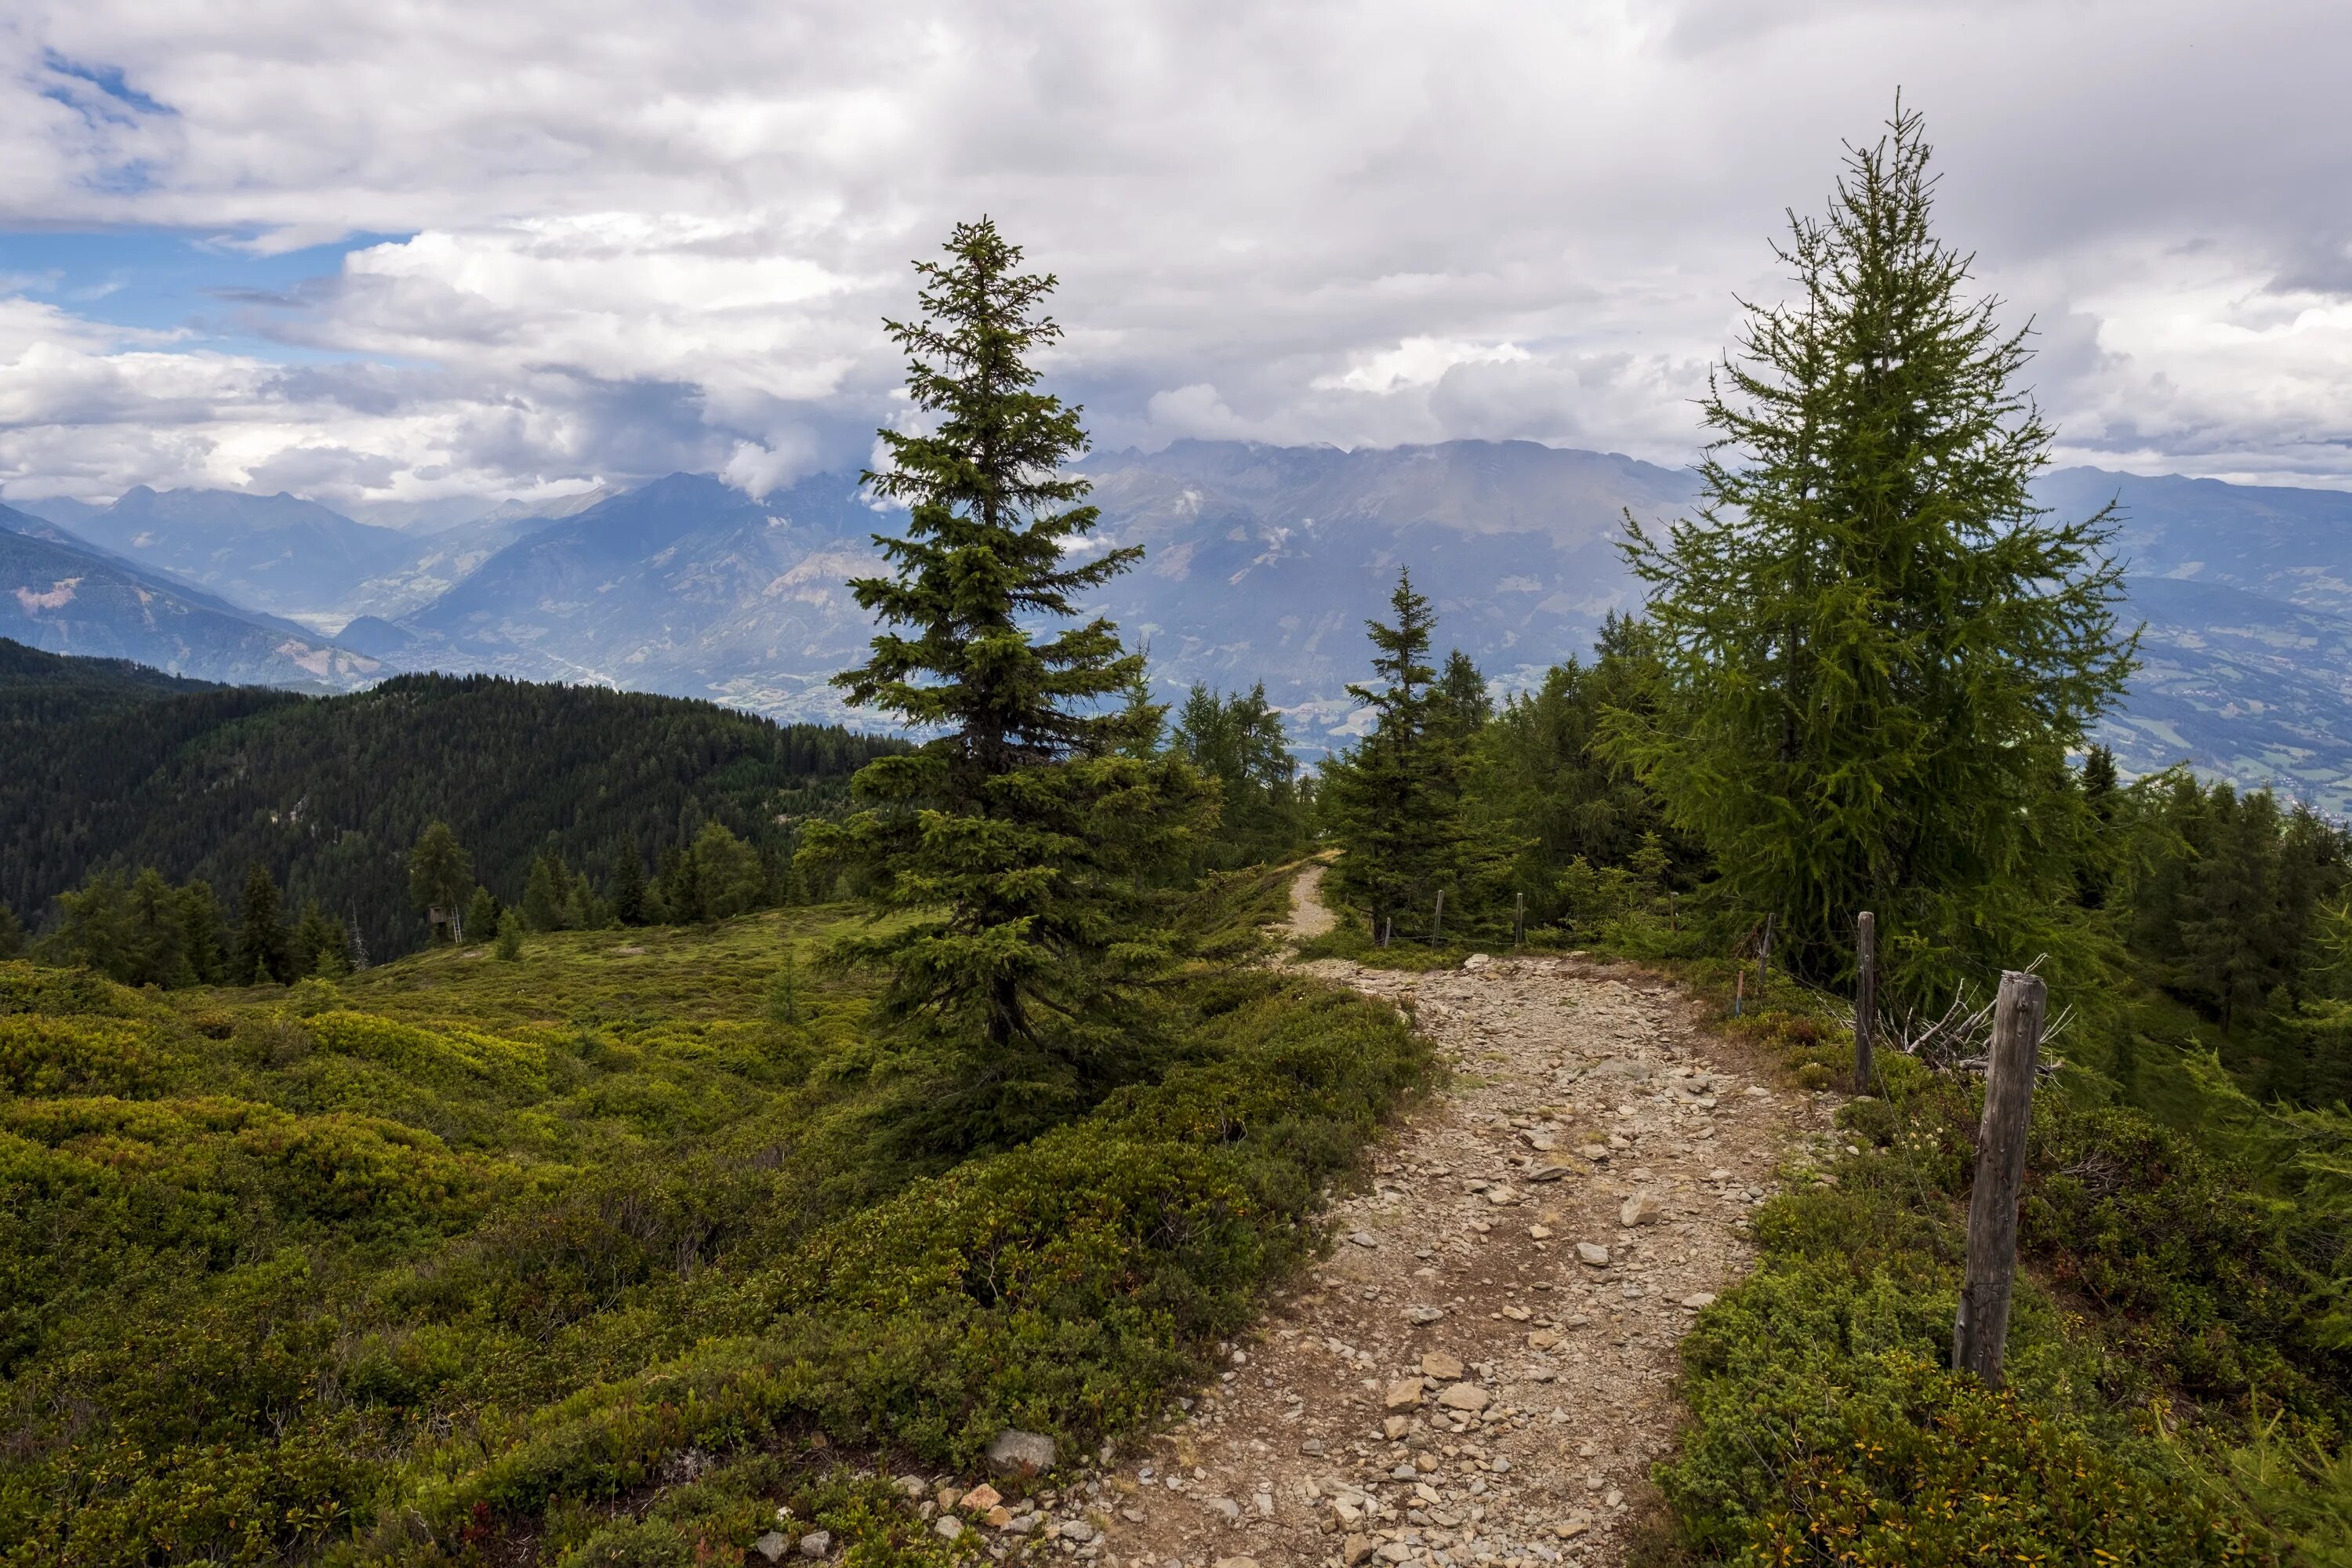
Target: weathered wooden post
[(1865, 997), (1388, 930), (1764, 965), (1981, 1331), (1518, 918), (1739, 988), (1437, 921)]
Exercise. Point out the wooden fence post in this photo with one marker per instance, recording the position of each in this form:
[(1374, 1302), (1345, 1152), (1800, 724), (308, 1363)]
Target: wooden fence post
[(1739, 988), (1980, 1330), (1388, 930), (1865, 997), (1764, 965), (1519, 920), (1437, 921)]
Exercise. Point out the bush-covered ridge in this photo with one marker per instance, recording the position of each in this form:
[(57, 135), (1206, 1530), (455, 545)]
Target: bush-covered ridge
[(331, 793), (306, 1273)]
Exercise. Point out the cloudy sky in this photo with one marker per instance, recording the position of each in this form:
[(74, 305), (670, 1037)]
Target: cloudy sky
[(401, 255)]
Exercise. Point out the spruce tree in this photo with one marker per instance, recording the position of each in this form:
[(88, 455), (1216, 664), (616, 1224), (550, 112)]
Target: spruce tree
[(1239, 741), (158, 935), (12, 934), (1015, 837), (440, 872), (542, 894), (261, 955), (482, 912), (200, 921), (1459, 707), (1391, 800), (319, 945), (629, 888), (1879, 649)]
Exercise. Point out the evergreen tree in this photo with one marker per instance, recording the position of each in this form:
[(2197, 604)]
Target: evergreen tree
[(544, 894), (1540, 778), (1239, 741), (1459, 706), (2096, 872), (1391, 801), (94, 927), (158, 935), (12, 934), (200, 922), (440, 871), (261, 944), (728, 872), (319, 945), (1879, 647), (509, 946), (1015, 837), (678, 888), (629, 888), (482, 911)]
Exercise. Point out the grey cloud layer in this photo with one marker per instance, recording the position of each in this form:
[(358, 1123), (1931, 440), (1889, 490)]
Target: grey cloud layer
[(646, 237)]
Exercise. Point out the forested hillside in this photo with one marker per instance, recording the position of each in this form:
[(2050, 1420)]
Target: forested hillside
[(123, 770)]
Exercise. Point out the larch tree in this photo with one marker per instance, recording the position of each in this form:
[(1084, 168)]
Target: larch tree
[(1017, 843), (1878, 650)]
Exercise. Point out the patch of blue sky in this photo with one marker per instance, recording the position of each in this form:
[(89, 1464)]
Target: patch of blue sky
[(203, 286)]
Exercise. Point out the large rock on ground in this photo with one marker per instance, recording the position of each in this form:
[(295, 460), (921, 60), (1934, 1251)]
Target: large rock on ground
[(1019, 1453)]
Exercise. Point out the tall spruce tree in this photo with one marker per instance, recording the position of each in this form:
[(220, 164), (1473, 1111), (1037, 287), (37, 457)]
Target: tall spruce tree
[(261, 938), (1016, 837), (1878, 648), (11, 933), (1392, 801)]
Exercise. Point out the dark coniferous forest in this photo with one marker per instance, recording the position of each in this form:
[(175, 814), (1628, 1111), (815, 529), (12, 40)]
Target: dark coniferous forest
[(117, 767)]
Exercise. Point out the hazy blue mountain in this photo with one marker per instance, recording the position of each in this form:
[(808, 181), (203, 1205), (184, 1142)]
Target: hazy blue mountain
[(279, 553), (1263, 563), (684, 587), (63, 510), (439, 560), (2293, 545), (61, 596)]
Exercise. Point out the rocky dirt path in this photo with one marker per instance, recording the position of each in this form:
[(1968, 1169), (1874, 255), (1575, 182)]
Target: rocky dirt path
[(1481, 1373)]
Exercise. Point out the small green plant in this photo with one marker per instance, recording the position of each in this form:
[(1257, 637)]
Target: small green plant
[(782, 1001), (509, 946)]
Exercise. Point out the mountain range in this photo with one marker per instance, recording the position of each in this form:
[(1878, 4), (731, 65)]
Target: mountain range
[(1262, 563)]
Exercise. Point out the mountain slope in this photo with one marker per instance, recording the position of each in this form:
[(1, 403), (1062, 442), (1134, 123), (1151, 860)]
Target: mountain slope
[(2241, 687), (65, 597), (1264, 562), (684, 586), (275, 553), (331, 793)]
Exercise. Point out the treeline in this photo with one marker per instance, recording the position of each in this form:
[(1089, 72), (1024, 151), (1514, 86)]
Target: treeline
[(328, 794)]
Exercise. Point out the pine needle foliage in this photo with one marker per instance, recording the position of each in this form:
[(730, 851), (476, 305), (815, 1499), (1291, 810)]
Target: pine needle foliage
[(1019, 837), (1393, 803), (1878, 650)]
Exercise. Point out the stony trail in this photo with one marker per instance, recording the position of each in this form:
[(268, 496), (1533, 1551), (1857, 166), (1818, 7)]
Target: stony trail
[(1481, 1373)]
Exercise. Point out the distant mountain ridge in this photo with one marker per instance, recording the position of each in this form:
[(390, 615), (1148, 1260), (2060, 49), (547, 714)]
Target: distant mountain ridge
[(61, 596), (1263, 563)]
